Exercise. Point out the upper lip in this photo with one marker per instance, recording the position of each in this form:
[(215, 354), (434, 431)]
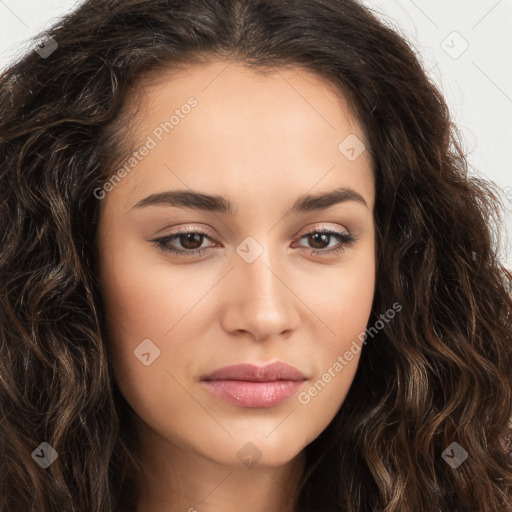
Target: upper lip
[(254, 373)]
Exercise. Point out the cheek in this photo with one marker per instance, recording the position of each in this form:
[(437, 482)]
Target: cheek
[(345, 309), (343, 300), (146, 309), (146, 297), (139, 304), (337, 359)]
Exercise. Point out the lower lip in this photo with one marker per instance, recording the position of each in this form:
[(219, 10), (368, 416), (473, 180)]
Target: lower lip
[(253, 394)]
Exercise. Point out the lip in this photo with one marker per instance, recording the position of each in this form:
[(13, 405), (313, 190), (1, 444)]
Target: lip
[(249, 385)]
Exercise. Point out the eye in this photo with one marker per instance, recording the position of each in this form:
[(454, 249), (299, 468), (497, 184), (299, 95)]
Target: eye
[(323, 235), (189, 240), (192, 240)]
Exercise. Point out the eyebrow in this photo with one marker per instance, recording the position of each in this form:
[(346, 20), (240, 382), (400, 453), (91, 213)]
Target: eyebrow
[(214, 203)]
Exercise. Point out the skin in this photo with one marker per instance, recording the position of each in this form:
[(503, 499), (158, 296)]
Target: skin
[(261, 141)]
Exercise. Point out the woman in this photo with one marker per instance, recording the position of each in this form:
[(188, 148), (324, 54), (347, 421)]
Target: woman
[(243, 264)]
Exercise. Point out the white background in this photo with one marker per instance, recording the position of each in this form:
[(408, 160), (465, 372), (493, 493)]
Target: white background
[(476, 81)]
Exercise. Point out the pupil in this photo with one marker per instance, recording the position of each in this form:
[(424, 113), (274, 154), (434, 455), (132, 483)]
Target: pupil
[(319, 237), (189, 238)]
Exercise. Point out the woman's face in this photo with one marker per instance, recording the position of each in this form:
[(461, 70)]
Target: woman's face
[(270, 146)]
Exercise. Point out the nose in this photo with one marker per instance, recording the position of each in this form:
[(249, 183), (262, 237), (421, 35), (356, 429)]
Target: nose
[(261, 299)]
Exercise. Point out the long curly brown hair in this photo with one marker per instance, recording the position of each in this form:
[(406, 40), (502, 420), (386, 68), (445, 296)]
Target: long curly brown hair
[(439, 373)]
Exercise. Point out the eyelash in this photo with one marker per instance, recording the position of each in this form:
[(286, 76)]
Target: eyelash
[(344, 240)]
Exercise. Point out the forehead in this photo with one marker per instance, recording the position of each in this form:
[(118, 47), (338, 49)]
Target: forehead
[(289, 97), (284, 127)]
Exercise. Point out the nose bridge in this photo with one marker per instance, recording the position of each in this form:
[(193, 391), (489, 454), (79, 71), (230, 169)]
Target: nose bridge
[(261, 297), (258, 265)]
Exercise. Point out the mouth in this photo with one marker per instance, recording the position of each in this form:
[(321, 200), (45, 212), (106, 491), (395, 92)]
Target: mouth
[(248, 385)]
